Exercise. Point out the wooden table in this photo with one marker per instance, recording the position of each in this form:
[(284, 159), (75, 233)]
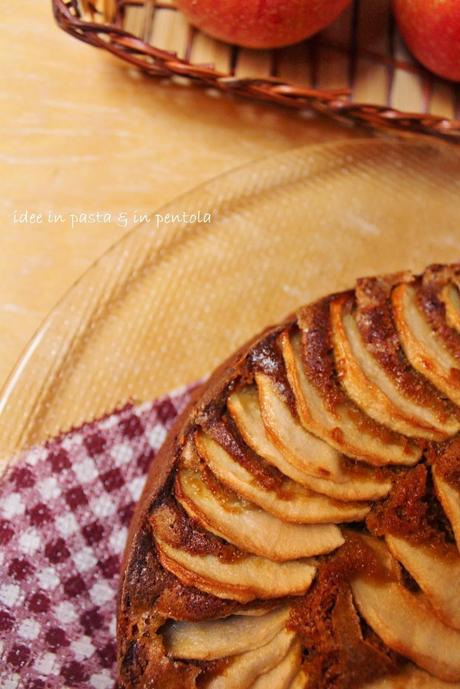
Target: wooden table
[(83, 133)]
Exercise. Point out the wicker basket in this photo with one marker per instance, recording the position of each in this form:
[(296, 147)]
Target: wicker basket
[(357, 69)]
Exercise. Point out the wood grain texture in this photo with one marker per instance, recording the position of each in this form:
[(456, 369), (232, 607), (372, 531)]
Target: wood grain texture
[(82, 132)]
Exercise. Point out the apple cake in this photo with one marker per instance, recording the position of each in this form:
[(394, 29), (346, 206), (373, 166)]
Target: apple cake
[(300, 527)]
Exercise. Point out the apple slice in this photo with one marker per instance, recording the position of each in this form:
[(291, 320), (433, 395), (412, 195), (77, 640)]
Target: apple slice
[(375, 321), (425, 352), (411, 678), (449, 497), (428, 291), (281, 676), (255, 610), (370, 386), (408, 625), (436, 572), (244, 669), (245, 579), (243, 406), (299, 681), (291, 503), (211, 639), (342, 428), (451, 298), (247, 526), (245, 410), (302, 449)]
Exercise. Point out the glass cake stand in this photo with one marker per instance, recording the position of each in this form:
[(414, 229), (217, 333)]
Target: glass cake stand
[(170, 300)]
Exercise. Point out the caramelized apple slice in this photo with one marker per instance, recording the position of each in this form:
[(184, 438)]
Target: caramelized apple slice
[(370, 386), (449, 497), (211, 639), (290, 503), (245, 411), (411, 678), (281, 676), (408, 625), (245, 579), (451, 299), (341, 428), (428, 294), (244, 669), (247, 526), (436, 572), (375, 321), (424, 351), (302, 449)]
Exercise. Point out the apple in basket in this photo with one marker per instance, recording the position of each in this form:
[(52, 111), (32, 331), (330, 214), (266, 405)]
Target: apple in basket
[(261, 23), (431, 29)]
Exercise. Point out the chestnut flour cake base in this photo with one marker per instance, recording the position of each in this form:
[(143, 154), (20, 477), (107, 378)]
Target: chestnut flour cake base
[(296, 531)]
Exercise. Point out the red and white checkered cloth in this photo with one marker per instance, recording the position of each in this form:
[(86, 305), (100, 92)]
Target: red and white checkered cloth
[(64, 514)]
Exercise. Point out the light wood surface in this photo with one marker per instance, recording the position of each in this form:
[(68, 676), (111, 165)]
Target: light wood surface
[(82, 132)]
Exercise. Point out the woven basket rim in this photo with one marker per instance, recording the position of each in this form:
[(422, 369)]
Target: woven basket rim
[(167, 64)]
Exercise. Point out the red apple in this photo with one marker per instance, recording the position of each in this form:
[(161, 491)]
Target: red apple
[(431, 29), (261, 23)]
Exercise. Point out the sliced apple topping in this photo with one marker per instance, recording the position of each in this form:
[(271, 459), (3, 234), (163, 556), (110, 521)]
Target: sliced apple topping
[(436, 571), (370, 386), (245, 579), (245, 410), (451, 298), (376, 324), (282, 675), (250, 528), (343, 428), (429, 290), (244, 669), (211, 639), (449, 497), (291, 502), (411, 678), (304, 450), (408, 625), (424, 350)]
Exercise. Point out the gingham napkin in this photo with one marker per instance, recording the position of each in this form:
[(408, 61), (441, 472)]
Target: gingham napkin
[(64, 514)]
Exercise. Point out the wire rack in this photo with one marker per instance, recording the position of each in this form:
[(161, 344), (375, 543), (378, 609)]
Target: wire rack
[(358, 69)]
